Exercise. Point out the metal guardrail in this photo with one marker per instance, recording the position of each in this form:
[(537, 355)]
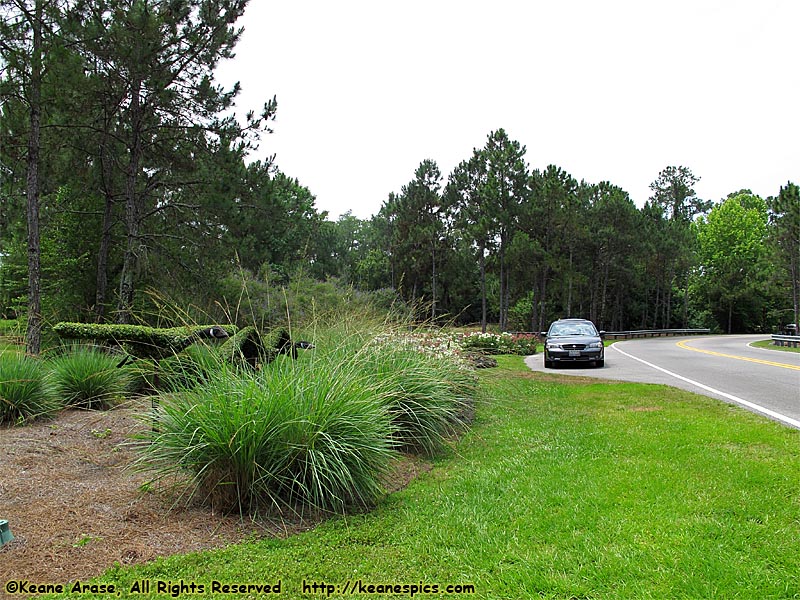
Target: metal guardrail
[(786, 340), (643, 333)]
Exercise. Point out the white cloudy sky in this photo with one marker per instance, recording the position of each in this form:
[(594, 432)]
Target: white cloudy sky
[(610, 90)]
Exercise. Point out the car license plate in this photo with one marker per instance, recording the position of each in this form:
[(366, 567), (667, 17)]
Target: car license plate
[(574, 352)]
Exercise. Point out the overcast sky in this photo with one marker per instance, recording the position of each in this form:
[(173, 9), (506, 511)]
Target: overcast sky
[(611, 90)]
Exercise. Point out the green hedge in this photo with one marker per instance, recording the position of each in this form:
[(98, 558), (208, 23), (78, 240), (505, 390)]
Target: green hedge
[(140, 341), (246, 345), (250, 346)]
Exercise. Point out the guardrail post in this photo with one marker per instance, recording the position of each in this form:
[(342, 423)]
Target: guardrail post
[(792, 341)]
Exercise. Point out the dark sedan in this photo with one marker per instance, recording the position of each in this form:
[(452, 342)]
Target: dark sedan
[(571, 341)]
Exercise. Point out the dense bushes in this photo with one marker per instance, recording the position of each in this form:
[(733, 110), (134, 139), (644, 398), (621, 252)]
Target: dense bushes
[(500, 343), (86, 377), (317, 432), (428, 398), (25, 390), (141, 341), (80, 377), (285, 437)]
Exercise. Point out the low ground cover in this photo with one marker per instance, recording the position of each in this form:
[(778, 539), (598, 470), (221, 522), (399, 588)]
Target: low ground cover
[(561, 489)]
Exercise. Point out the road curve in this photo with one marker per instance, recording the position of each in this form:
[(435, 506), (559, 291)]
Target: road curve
[(723, 367)]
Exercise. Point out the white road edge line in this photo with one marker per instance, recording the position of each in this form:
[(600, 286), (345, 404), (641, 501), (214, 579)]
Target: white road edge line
[(756, 407)]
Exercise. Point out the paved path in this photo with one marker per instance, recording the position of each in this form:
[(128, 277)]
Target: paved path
[(722, 367)]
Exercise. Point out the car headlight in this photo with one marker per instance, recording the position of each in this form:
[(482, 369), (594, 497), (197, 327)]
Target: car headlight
[(553, 346), (595, 345)]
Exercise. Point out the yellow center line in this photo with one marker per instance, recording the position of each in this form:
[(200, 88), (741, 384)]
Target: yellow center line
[(683, 344)]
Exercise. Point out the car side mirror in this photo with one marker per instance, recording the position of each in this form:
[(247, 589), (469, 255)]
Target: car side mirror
[(602, 334), (544, 334)]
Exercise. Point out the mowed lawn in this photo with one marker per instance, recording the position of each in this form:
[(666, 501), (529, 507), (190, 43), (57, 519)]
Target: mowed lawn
[(562, 489)]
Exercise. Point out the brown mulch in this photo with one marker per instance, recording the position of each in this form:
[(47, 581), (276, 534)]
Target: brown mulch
[(76, 508)]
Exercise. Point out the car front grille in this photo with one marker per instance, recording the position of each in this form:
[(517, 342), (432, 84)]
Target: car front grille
[(574, 346)]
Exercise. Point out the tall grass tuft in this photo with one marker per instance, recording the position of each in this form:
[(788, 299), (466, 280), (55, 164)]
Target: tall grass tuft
[(318, 432), (25, 393), (429, 398), (286, 437), (87, 377), (194, 366)]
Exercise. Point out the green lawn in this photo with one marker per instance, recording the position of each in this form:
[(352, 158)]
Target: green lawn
[(563, 489)]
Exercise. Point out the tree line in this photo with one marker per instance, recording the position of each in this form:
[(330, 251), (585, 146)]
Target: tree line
[(497, 241), (124, 169)]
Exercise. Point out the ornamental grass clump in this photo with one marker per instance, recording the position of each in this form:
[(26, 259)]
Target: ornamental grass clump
[(428, 389), (25, 392), (88, 377), (287, 437), (430, 398), (194, 366)]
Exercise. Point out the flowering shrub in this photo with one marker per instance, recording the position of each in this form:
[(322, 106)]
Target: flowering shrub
[(455, 345), (500, 343), (438, 345)]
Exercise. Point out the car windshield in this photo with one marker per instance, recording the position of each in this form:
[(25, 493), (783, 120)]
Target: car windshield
[(569, 329)]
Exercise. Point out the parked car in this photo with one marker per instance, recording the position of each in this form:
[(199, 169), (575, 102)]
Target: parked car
[(573, 340)]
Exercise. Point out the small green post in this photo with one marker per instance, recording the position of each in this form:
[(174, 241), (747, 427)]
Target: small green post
[(5, 532)]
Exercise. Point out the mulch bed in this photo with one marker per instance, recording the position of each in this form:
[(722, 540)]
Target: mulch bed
[(76, 508)]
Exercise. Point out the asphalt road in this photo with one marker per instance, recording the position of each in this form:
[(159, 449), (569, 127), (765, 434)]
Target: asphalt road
[(722, 367)]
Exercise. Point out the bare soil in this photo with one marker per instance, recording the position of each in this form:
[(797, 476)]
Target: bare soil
[(76, 508)]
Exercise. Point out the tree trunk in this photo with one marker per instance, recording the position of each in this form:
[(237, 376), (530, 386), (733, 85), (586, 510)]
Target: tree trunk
[(132, 213), (730, 316), (433, 282), (483, 287), (543, 300), (603, 296), (102, 261), (685, 319), (104, 251), (33, 334), (795, 268), (502, 315)]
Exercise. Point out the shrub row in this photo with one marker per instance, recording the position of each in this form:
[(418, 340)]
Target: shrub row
[(138, 340), (500, 343), (318, 432), (83, 377)]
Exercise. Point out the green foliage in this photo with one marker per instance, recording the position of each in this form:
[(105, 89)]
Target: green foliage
[(286, 437), (192, 367), (429, 400), (501, 343), (784, 240), (249, 346), (428, 390), (87, 377), (732, 246), (11, 327), (270, 300), (521, 313), (141, 341), (25, 391), (316, 432), (562, 490)]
